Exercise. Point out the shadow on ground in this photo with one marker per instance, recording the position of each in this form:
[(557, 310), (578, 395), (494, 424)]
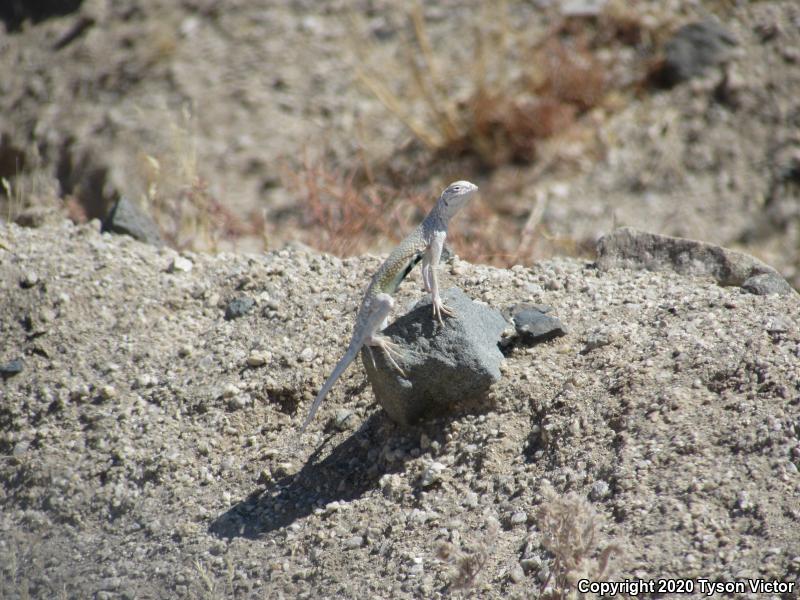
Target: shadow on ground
[(351, 469)]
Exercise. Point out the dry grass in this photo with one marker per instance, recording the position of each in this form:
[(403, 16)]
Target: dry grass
[(468, 562), (178, 197), (570, 532), (27, 186), (343, 214), (346, 214), (522, 88)]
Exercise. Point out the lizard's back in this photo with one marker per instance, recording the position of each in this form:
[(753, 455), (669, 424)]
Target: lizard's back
[(399, 263)]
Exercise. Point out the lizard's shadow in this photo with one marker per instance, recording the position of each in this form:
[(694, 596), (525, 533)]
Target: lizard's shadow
[(352, 468)]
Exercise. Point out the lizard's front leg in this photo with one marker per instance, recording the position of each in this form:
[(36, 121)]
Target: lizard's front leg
[(432, 256)]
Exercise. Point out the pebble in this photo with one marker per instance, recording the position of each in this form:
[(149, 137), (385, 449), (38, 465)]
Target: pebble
[(11, 368), (517, 574), (599, 490), (238, 307), (534, 326), (258, 358), (239, 401), (230, 390), (595, 340), (342, 418), (180, 264), (432, 474), (518, 518), (29, 279), (471, 500), (354, 542), (766, 284)]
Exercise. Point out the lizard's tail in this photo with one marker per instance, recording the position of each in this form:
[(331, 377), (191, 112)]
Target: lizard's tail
[(340, 368)]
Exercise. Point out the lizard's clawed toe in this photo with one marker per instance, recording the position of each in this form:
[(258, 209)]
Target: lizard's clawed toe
[(392, 351), (439, 309)]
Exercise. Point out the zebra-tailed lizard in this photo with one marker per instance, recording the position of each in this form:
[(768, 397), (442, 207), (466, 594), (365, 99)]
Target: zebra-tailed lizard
[(424, 244)]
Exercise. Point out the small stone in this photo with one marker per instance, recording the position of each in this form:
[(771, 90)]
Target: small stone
[(11, 368), (531, 565), (471, 500), (108, 392), (519, 517), (238, 307), (533, 326), (239, 401), (145, 381), (21, 447), (229, 391), (29, 279), (342, 417), (306, 355), (127, 217), (692, 50), (180, 264), (599, 490), (354, 542), (553, 285), (777, 324), (766, 284), (258, 359), (517, 574), (596, 339), (432, 474), (445, 367)]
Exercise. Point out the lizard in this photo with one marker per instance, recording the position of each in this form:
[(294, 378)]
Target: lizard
[(424, 244)]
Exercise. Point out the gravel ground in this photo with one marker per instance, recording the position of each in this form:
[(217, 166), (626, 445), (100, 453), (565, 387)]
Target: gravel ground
[(149, 447)]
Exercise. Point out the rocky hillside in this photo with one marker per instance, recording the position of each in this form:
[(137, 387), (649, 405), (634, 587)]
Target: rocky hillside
[(188, 107)]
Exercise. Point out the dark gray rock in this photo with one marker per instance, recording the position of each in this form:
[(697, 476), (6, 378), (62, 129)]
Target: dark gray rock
[(128, 218), (445, 366), (11, 368), (766, 284), (238, 307), (533, 326), (628, 248), (692, 50)]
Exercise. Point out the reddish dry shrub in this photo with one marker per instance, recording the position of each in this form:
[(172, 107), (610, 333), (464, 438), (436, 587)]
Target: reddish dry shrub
[(503, 126), (342, 214)]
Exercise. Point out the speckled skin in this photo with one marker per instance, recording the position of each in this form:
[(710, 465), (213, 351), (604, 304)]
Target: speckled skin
[(424, 244)]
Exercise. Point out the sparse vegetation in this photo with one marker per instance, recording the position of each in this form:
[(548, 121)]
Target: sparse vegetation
[(338, 215), (517, 89), (570, 532), (178, 196), (468, 562)]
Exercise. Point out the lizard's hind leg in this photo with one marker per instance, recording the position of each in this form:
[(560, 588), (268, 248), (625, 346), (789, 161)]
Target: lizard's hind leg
[(379, 313)]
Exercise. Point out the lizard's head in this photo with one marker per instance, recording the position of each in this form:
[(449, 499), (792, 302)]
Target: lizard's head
[(454, 196)]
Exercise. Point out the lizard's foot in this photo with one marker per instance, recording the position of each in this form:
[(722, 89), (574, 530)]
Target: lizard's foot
[(440, 308), (392, 351)]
